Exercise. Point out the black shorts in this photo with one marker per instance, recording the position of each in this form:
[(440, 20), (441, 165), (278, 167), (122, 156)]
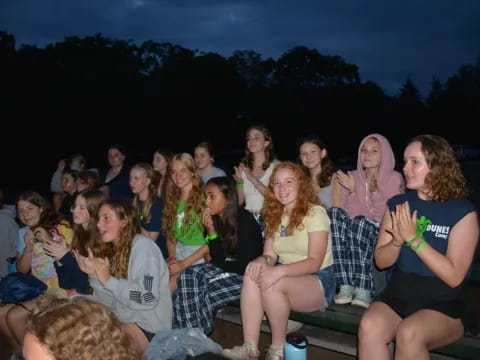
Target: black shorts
[(408, 293), (147, 334)]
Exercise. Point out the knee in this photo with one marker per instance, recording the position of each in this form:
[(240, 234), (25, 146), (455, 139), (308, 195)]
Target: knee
[(248, 284), (370, 326), (11, 318), (407, 334)]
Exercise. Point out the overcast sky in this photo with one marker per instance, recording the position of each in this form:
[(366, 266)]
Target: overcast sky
[(388, 39)]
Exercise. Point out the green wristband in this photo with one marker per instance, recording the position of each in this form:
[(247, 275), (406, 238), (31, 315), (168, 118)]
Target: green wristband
[(210, 237), (415, 238), (239, 186), (420, 247)]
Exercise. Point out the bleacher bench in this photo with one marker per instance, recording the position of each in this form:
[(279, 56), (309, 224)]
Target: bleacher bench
[(346, 318)]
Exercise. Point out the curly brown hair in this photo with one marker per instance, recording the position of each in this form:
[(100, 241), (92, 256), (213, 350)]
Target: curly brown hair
[(121, 255), (269, 154), (195, 201), (445, 179), (273, 210), (80, 328)]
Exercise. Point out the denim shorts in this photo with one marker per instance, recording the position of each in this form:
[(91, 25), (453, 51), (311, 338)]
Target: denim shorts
[(327, 280)]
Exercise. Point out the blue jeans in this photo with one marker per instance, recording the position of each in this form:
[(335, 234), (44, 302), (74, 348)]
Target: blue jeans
[(327, 278)]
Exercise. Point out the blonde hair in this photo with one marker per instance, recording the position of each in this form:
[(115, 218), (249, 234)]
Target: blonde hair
[(195, 200), (152, 191), (79, 328), (273, 210)]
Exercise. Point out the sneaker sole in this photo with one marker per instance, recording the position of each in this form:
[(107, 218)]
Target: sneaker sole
[(361, 303), (342, 301)]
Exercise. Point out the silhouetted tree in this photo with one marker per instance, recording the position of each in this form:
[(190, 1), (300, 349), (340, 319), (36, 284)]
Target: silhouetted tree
[(250, 66), (436, 92), (303, 67)]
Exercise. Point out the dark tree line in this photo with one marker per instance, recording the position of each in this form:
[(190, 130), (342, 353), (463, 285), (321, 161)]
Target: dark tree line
[(95, 90)]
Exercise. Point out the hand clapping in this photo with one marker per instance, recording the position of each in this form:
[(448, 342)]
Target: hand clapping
[(92, 266), (346, 180), (404, 224)]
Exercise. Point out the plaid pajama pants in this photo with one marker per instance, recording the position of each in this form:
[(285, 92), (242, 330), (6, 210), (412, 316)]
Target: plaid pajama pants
[(353, 244), (201, 291)]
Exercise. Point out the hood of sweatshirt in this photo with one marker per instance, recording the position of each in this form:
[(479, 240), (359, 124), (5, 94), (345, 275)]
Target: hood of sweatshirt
[(389, 181), (387, 162)]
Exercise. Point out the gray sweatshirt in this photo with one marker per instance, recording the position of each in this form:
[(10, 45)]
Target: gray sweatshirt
[(144, 297)]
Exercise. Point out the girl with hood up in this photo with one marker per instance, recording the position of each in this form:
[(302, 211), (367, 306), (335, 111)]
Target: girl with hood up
[(363, 199)]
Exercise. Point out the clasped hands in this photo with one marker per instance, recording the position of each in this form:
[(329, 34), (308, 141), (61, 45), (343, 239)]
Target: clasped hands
[(175, 266), (264, 275), (404, 224), (93, 266)]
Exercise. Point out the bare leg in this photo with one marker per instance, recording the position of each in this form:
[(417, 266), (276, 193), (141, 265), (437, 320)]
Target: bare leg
[(252, 310), (4, 327), (289, 294), (377, 329), (423, 331), (137, 336), (17, 320)]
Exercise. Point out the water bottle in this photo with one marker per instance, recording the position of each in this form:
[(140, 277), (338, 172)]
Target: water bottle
[(12, 264), (296, 347)]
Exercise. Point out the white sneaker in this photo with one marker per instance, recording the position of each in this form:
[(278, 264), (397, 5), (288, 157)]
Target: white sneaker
[(362, 298), (293, 326), (345, 295), (245, 352)]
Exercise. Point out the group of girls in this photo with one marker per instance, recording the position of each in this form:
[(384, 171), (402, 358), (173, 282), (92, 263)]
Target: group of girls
[(278, 229)]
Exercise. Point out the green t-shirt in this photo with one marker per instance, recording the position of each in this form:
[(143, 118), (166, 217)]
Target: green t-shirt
[(191, 233)]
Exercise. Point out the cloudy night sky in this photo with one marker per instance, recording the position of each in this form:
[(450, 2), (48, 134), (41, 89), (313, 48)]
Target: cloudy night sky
[(388, 40)]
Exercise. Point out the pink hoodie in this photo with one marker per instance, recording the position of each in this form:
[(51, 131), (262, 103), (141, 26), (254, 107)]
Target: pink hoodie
[(389, 181)]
